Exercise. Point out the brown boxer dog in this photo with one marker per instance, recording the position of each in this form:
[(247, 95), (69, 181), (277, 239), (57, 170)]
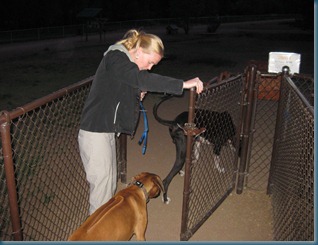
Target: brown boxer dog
[(124, 215)]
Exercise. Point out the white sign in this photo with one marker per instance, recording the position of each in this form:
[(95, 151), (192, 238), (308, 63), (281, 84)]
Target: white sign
[(277, 60)]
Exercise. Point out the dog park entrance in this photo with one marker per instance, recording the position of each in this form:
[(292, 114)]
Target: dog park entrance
[(273, 114), (44, 189)]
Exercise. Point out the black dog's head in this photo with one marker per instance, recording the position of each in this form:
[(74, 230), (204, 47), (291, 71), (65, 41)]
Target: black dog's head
[(176, 128)]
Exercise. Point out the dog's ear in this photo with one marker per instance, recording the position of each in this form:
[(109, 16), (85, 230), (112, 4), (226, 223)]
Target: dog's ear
[(158, 182), (139, 176)]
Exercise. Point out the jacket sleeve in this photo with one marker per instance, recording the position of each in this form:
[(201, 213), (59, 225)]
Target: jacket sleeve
[(128, 72)]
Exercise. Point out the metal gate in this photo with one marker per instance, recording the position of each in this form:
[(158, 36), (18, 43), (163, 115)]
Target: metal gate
[(209, 178), (252, 100)]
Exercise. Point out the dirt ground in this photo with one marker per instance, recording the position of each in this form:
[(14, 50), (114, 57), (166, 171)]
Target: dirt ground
[(34, 69)]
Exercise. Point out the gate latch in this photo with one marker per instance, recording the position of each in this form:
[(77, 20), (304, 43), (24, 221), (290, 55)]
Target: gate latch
[(191, 129)]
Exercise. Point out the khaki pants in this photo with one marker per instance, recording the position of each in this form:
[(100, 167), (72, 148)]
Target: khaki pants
[(98, 153)]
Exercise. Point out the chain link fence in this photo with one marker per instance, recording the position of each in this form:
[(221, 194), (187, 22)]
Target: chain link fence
[(263, 125), (291, 183), (51, 188), (275, 135), (211, 172), (44, 193), (262, 131), (305, 84)]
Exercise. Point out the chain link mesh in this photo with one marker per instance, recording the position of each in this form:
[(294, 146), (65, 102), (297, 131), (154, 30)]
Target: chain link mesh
[(209, 185), (268, 86), (292, 172), (50, 180), (305, 84), (51, 185), (263, 132)]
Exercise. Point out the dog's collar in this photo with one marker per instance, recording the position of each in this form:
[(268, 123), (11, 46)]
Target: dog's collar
[(141, 186)]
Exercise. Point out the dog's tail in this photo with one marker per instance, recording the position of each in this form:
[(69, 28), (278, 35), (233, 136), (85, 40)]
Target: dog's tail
[(155, 111)]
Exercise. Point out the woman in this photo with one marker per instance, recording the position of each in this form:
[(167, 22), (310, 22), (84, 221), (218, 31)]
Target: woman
[(112, 106)]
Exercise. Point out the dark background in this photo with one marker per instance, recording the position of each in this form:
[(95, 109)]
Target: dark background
[(21, 14)]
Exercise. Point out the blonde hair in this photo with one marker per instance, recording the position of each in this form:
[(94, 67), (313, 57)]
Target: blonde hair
[(148, 42)]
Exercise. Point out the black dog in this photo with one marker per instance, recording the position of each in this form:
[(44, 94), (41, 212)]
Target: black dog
[(219, 130)]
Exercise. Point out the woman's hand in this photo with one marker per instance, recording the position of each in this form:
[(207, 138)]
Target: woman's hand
[(194, 82)]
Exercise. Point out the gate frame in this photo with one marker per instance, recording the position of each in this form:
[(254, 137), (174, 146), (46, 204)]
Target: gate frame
[(191, 131), (248, 112)]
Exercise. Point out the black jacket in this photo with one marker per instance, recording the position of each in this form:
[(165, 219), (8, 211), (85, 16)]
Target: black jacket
[(113, 101)]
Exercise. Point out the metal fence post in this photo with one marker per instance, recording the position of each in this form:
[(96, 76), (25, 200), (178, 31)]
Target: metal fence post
[(247, 121), (285, 72), (10, 178), (186, 190)]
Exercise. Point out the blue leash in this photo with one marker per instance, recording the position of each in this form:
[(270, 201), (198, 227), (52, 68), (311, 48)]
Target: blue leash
[(145, 133)]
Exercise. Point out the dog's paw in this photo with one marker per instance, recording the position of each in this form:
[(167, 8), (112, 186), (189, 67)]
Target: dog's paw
[(221, 170), (181, 173), (167, 201)]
